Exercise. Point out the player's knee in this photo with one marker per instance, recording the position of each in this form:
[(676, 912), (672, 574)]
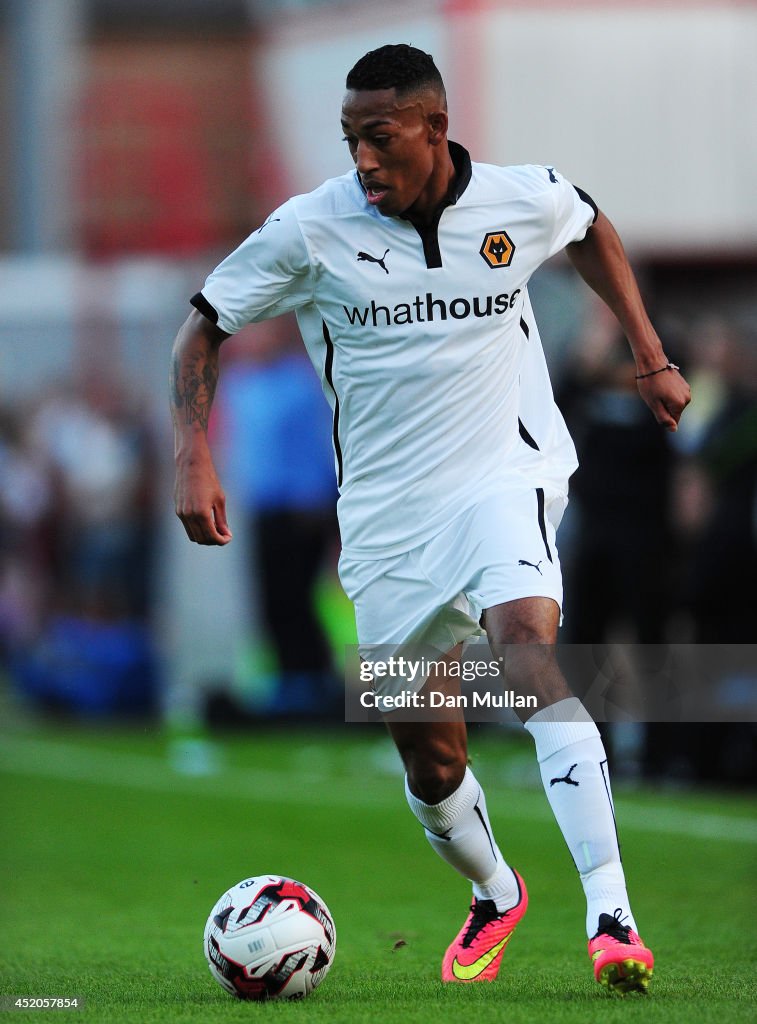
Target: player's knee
[(435, 774), (527, 621)]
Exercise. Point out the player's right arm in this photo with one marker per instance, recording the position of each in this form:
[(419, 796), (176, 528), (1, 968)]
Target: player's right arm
[(199, 497), (267, 275)]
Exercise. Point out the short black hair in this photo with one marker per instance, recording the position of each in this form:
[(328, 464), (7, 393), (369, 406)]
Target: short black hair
[(396, 66)]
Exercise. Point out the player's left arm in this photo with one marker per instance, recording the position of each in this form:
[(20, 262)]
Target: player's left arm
[(601, 261)]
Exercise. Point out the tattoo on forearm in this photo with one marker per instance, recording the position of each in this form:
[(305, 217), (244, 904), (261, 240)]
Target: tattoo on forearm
[(193, 386), (176, 398)]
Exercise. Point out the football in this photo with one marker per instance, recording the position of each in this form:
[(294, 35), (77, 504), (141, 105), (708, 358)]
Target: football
[(269, 937)]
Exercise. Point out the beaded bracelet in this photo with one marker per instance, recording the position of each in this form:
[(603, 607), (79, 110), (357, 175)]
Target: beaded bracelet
[(667, 366)]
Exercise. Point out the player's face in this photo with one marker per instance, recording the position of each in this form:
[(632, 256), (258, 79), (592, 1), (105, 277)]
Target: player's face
[(395, 144)]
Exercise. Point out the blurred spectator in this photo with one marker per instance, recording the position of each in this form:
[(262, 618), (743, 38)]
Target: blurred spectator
[(715, 519), (26, 535), (76, 516), (722, 489), (97, 445), (618, 571)]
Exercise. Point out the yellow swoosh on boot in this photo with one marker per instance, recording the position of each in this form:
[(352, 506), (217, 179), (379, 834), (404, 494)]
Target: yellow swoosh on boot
[(467, 972)]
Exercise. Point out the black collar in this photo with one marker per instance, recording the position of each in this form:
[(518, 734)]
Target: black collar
[(463, 171), (429, 233)]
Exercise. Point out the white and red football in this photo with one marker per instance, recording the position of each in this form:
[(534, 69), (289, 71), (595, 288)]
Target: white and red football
[(270, 937)]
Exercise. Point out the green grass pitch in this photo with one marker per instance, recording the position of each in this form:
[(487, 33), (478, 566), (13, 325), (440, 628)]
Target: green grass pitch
[(110, 860)]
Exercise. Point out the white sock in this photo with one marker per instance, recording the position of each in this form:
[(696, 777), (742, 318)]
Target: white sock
[(459, 830), (574, 773)]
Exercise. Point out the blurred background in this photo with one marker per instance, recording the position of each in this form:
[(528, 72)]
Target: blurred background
[(143, 139)]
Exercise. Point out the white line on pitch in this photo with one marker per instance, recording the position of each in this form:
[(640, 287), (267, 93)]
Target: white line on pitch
[(59, 760)]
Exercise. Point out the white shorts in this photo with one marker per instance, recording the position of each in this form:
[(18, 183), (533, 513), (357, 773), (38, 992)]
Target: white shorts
[(499, 550)]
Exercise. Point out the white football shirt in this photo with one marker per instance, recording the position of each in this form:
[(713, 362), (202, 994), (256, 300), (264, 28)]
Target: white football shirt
[(426, 347)]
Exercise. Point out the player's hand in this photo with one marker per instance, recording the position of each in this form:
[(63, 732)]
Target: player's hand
[(667, 394), (201, 503)]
